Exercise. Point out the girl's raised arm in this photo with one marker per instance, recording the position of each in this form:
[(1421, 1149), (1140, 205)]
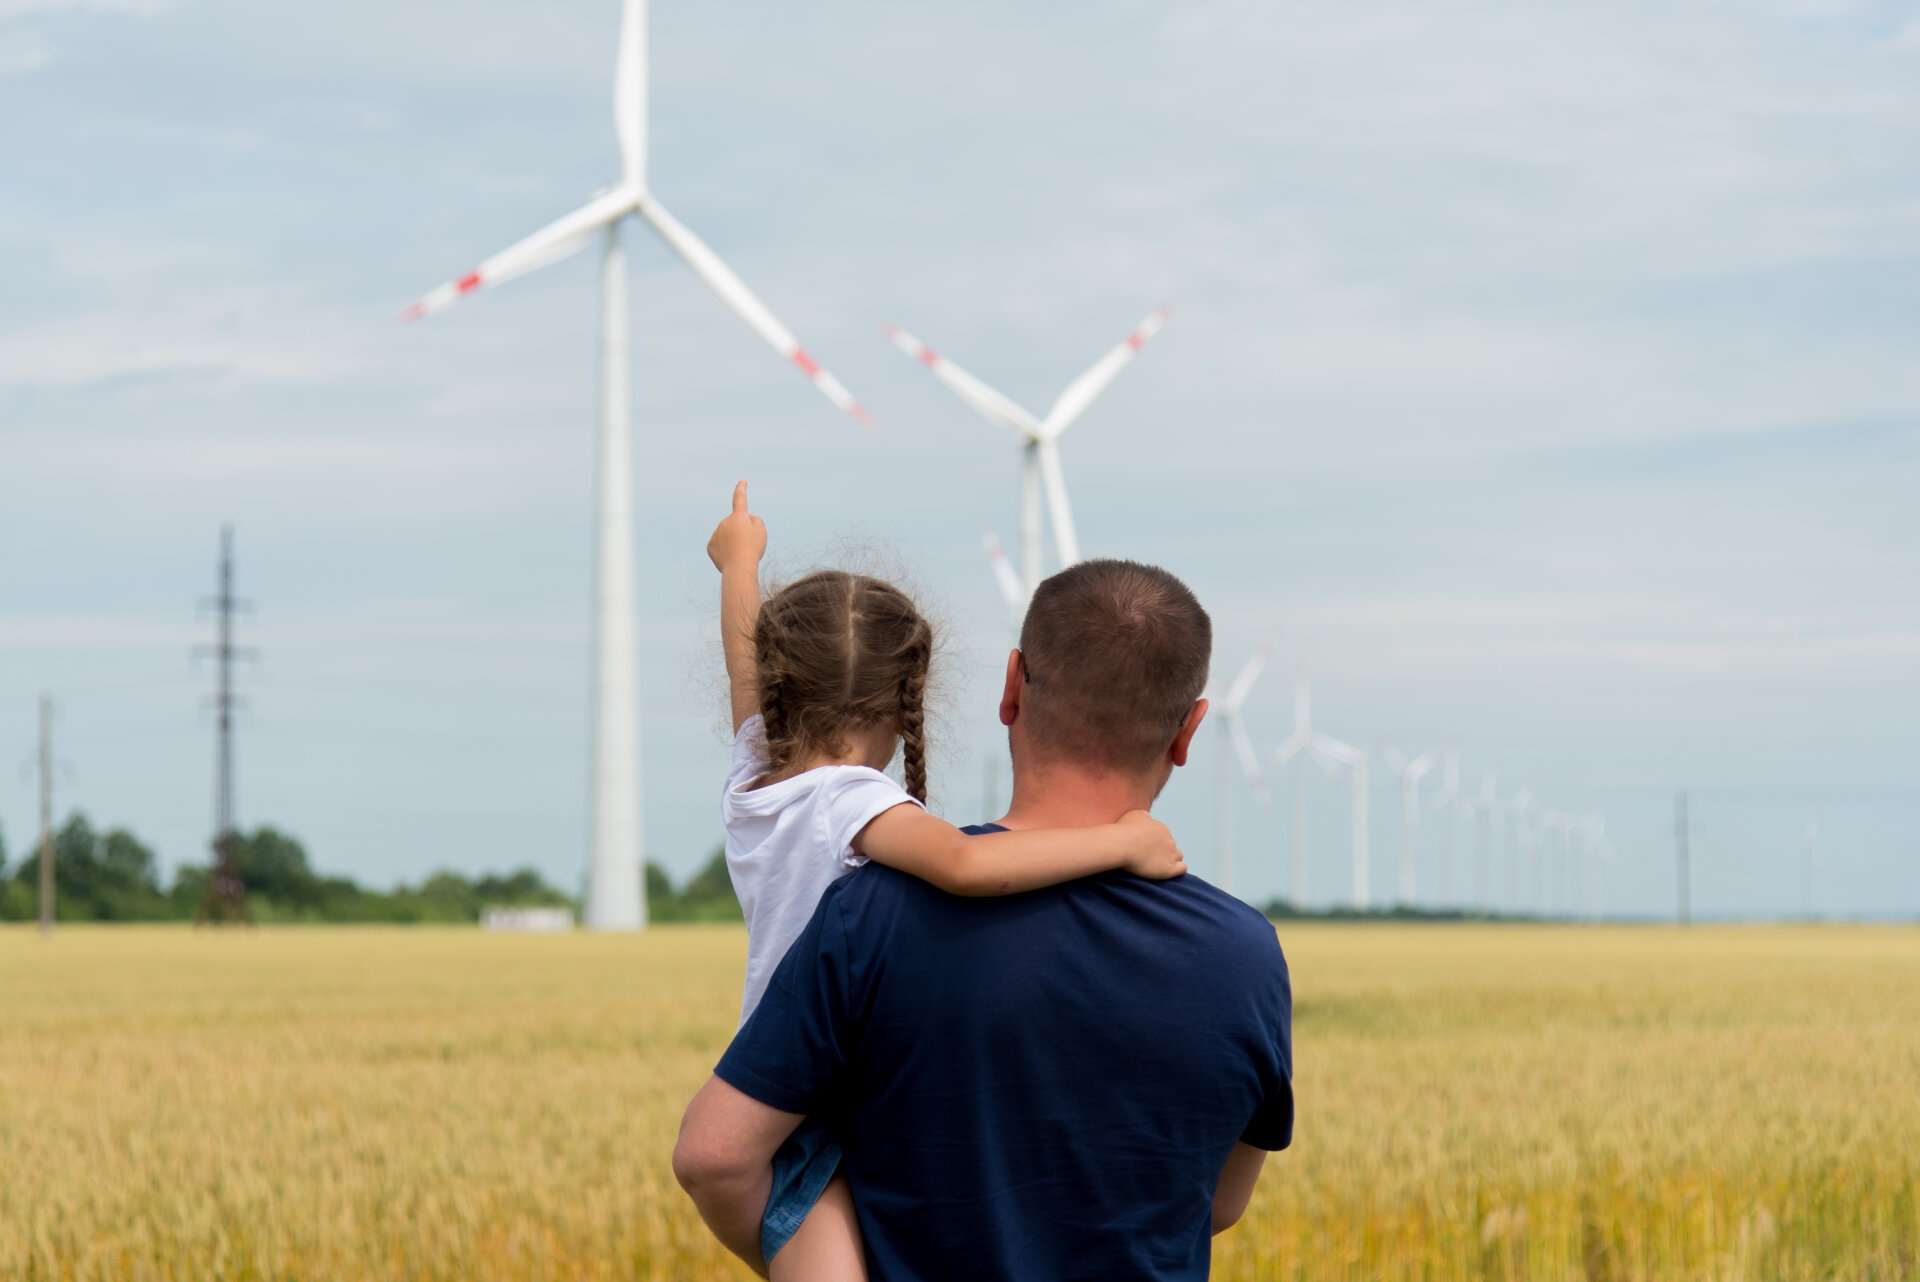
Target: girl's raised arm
[(737, 545), (1005, 863)]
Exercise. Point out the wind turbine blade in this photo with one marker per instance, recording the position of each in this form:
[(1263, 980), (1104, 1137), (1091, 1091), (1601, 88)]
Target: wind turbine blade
[(1081, 392), (1290, 747), (720, 278), (1065, 542), (550, 244), (1243, 684), (1003, 574), (630, 93), (1325, 745), (1249, 759), (986, 402)]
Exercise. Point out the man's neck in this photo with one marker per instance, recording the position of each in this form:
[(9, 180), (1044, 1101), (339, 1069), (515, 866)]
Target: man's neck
[(1067, 795)]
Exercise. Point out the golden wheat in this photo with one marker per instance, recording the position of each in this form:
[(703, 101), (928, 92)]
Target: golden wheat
[(333, 1103)]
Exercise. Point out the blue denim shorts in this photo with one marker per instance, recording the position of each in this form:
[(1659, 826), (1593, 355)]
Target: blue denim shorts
[(802, 1169)]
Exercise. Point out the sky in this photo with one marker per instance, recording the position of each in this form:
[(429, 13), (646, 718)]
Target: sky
[(1540, 378)]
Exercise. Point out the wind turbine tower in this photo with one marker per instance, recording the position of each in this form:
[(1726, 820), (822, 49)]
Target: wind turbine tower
[(615, 890), (1292, 752), (1445, 801), (1235, 742), (1039, 441), (1410, 773), (1482, 808), (1516, 812), (1332, 755)]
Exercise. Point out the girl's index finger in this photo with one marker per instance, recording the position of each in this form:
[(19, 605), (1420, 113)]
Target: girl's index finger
[(740, 498)]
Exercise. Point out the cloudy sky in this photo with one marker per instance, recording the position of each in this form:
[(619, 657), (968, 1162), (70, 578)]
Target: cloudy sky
[(1542, 377)]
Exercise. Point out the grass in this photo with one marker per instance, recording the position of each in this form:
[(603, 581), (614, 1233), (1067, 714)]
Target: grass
[(1475, 1101)]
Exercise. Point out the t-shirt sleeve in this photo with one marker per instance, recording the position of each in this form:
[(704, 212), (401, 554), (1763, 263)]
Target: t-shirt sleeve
[(749, 751), (1272, 1125), (795, 1047), (854, 799)]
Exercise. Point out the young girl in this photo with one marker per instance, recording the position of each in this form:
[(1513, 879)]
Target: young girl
[(828, 678)]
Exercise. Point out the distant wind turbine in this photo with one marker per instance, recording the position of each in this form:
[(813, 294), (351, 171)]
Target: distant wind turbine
[(615, 891), (1482, 809), (1410, 773), (1515, 811), (1334, 756), (1039, 447), (1293, 752), (1235, 742), (1445, 801)]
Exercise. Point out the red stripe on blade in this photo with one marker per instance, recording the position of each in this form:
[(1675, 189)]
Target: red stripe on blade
[(468, 283), (805, 362)]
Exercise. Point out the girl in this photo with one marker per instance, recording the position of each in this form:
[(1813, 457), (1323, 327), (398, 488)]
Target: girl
[(828, 678)]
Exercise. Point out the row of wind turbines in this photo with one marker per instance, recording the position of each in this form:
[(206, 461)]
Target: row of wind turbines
[(615, 890), (1554, 844), (615, 899)]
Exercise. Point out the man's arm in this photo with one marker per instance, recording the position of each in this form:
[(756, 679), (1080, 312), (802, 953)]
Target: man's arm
[(1235, 1190), (724, 1160)]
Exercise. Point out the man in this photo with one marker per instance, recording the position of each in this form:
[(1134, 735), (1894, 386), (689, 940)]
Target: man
[(1077, 1082)]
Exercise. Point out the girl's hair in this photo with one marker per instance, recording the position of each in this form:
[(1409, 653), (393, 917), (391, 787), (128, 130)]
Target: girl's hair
[(837, 652)]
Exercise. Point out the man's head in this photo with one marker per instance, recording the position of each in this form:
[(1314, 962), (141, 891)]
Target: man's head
[(1113, 657)]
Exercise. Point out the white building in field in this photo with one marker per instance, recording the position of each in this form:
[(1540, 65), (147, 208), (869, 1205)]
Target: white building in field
[(537, 920)]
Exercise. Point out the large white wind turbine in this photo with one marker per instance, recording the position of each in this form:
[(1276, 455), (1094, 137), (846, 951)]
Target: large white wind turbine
[(1333, 756), (1410, 773), (1039, 446), (1235, 742), (615, 891)]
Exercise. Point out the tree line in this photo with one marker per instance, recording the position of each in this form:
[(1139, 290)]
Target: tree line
[(114, 876)]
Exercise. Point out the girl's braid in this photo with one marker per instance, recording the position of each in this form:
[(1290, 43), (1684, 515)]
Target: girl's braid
[(913, 713)]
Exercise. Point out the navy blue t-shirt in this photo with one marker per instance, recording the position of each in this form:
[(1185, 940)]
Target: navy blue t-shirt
[(1042, 1086)]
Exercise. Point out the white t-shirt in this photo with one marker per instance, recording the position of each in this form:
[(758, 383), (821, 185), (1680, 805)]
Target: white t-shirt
[(788, 841)]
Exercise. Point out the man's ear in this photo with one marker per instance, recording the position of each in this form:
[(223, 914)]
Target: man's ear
[(1183, 737), (1011, 694)]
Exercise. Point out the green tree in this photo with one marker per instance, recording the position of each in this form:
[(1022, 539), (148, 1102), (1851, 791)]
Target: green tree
[(274, 866), (708, 895), (99, 877)]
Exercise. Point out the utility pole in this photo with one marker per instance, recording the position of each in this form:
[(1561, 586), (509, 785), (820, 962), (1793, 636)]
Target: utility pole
[(226, 898), (1806, 870), (1681, 856), (46, 814)]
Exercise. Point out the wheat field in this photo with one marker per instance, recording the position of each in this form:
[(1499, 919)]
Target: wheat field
[(1474, 1102)]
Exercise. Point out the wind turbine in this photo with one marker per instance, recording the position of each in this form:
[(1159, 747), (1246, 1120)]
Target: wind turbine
[(1809, 844), (1234, 741), (1446, 800), (1482, 808), (1515, 811), (1558, 821), (1592, 831), (615, 892), (1332, 755), (1292, 751), (1410, 774), (1039, 446)]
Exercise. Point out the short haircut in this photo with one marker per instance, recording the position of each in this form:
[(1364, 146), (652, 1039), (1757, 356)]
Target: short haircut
[(1116, 653)]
